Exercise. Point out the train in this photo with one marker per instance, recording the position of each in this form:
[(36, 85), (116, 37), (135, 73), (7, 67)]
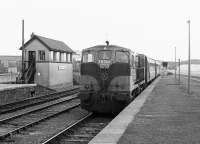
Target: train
[(112, 76)]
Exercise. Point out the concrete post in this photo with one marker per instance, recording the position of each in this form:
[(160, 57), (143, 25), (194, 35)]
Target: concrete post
[(189, 63)]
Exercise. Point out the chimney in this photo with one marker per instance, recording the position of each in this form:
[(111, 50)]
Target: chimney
[(32, 34)]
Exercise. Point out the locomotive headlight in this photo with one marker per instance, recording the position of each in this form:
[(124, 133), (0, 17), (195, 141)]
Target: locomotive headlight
[(87, 86), (117, 85)]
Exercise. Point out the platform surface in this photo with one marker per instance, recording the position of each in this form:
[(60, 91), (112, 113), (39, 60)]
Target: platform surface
[(14, 86), (168, 116)]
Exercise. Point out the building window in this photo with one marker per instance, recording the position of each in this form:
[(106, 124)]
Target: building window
[(57, 56), (54, 56), (69, 57), (51, 55), (41, 55), (63, 57)]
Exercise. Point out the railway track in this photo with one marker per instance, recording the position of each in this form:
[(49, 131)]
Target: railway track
[(17, 123), (35, 101), (82, 131)]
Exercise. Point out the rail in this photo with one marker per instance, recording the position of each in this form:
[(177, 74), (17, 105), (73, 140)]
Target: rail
[(35, 100), (66, 129), (34, 116)]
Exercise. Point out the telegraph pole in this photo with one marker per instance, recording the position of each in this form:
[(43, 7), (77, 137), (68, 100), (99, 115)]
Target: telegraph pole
[(175, 62), (179, 64), (189, 63), (22, 50)]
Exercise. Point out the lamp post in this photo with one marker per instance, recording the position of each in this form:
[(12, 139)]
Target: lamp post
[(175, 63), (189, 63)]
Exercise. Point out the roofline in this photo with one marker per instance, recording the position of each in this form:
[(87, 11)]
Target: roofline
[(93, 47), (36, 37)]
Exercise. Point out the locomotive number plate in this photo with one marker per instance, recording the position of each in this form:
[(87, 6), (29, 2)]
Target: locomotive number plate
[(104, 61)]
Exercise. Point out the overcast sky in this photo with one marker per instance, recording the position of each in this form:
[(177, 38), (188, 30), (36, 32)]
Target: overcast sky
[(152, 27)]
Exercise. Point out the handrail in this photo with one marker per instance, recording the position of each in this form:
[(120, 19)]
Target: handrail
[(29, 72)]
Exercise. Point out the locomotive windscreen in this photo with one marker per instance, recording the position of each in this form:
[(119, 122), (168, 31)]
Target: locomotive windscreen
[(105, 55), (122, 57), (88, 57)]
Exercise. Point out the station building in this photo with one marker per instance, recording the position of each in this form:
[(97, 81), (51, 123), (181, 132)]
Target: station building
[(47, 62)]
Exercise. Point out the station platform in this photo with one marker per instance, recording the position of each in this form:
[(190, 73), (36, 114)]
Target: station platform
[(14, 86), (162, 113), (10, 93)]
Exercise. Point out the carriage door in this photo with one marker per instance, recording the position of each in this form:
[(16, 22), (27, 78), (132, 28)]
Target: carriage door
[(31, 58)]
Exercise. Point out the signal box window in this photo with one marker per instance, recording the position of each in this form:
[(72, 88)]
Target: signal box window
[(41, 55), (69, 57), (88, 57), (54, 56), (122, 57)]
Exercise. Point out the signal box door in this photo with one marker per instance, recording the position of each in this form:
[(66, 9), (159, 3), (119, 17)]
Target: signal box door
[(31, 57)]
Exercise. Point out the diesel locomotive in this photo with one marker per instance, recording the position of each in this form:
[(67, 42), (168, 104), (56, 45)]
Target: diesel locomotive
[(112, 76)]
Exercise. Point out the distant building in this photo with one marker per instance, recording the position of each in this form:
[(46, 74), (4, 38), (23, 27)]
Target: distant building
[(48, 62), (165, 64), (10, 64), (76, 56)]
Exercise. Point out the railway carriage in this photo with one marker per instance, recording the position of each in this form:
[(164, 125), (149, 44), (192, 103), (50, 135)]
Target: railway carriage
[(112, 76), (152, 69), (147, 69), (158, 68)]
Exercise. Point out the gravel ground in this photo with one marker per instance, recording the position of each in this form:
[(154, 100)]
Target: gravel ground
[(46, 129), (168, 116), (84, 131)]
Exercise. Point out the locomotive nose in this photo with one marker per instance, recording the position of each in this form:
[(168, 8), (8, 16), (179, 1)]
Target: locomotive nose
[(104, 74)]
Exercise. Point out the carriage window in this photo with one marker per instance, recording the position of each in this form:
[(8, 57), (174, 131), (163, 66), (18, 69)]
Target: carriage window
[(88, 57), (133, 61), (122, 57), (105, 55)]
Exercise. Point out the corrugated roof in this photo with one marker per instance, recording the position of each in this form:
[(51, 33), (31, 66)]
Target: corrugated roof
[(51, 44)]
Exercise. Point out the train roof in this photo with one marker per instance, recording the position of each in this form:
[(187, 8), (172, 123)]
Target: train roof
[(106, 47)]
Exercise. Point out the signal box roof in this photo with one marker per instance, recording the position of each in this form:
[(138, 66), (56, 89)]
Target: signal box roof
[(51, 44)]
